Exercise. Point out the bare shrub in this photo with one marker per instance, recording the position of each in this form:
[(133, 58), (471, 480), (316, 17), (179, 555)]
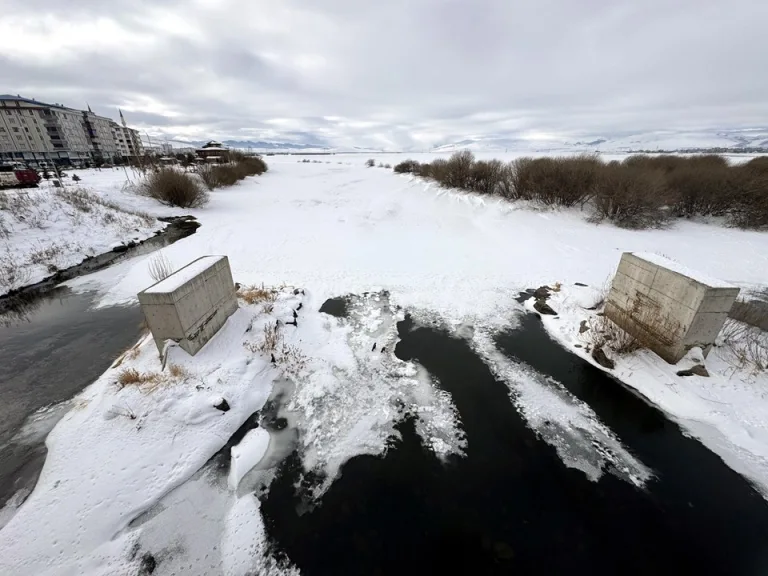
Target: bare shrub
[(458, 170), (272, 338), (650, 327), (556, 181), (407, 167), (749, 197), (485, 177), (604, 332), (160, 267), (370, 163), (174, 188), (387, 166), (746, 346), (219, 175), (209, 175), (630, 196)]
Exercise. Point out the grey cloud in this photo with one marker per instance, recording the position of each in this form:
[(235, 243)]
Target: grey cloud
[(394, 71)]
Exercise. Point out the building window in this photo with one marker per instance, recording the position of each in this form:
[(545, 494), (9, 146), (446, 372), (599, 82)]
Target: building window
[(15, 129)]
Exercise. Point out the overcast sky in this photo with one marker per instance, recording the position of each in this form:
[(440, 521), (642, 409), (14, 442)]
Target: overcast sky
[(393, 73)]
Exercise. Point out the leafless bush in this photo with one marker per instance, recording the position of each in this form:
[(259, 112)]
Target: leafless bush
[(160, 267), (407, 167), (556, 181), (630, 197), (175, 188), (746, 346), (485, 177), (650, 327), (458, 170), (370, 163), (387, 166), (219, 175), (272, 338)]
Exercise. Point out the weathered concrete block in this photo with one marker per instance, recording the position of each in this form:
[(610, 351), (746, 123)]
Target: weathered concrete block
[(668, 307), (192, 304)]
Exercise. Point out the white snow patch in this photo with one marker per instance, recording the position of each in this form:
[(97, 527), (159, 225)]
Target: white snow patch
[(247, 454), (682, 269), (561, 419)]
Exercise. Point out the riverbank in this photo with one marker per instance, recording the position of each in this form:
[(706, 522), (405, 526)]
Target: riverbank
[(47, 230)]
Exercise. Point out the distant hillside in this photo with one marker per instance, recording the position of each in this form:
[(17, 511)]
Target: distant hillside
[(754, 139)]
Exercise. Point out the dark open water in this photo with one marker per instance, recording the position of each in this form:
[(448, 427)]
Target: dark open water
[(512, 506)]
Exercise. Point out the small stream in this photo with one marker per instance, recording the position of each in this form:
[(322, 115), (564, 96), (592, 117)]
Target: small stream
[(52, 345)]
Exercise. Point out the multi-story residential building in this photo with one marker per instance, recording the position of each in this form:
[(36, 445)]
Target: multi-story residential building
[(35, 132), (128, 141)]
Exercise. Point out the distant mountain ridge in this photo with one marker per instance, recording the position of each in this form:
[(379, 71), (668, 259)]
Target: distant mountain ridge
[(669, 141)]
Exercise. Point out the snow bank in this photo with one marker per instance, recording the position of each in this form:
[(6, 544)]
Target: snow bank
[(121, 448), (247, 454), (49, 229), (727, 412)]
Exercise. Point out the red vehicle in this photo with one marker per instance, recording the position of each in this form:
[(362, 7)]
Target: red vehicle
[(18, 176)]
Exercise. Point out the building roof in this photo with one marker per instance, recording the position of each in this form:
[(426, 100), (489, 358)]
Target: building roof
[(30, 101)]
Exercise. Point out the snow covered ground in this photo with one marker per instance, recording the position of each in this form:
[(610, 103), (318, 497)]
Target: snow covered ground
[(48, 229), (398, 243)]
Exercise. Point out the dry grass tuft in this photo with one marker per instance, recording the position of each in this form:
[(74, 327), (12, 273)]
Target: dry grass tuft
[(131, 376), (178, 372), (257, 294)]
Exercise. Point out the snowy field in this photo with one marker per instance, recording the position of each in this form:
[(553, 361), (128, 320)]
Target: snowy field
[(334, 228)]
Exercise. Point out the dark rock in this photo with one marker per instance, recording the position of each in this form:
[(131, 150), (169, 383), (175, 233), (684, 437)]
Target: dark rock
[(374, 347), (599, 356), (578, 346), (294, 323), (299, 307), (543, 308), (295, 315), (542, 292), (237, 285), (273, 359), (120, 249), (697, 370), (383, 349), (148, 564), (223, 405), (580, 284), (583, 327)]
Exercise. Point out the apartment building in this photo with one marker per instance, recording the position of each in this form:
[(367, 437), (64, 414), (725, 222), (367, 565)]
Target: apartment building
[(128, 141), (35, 132)]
